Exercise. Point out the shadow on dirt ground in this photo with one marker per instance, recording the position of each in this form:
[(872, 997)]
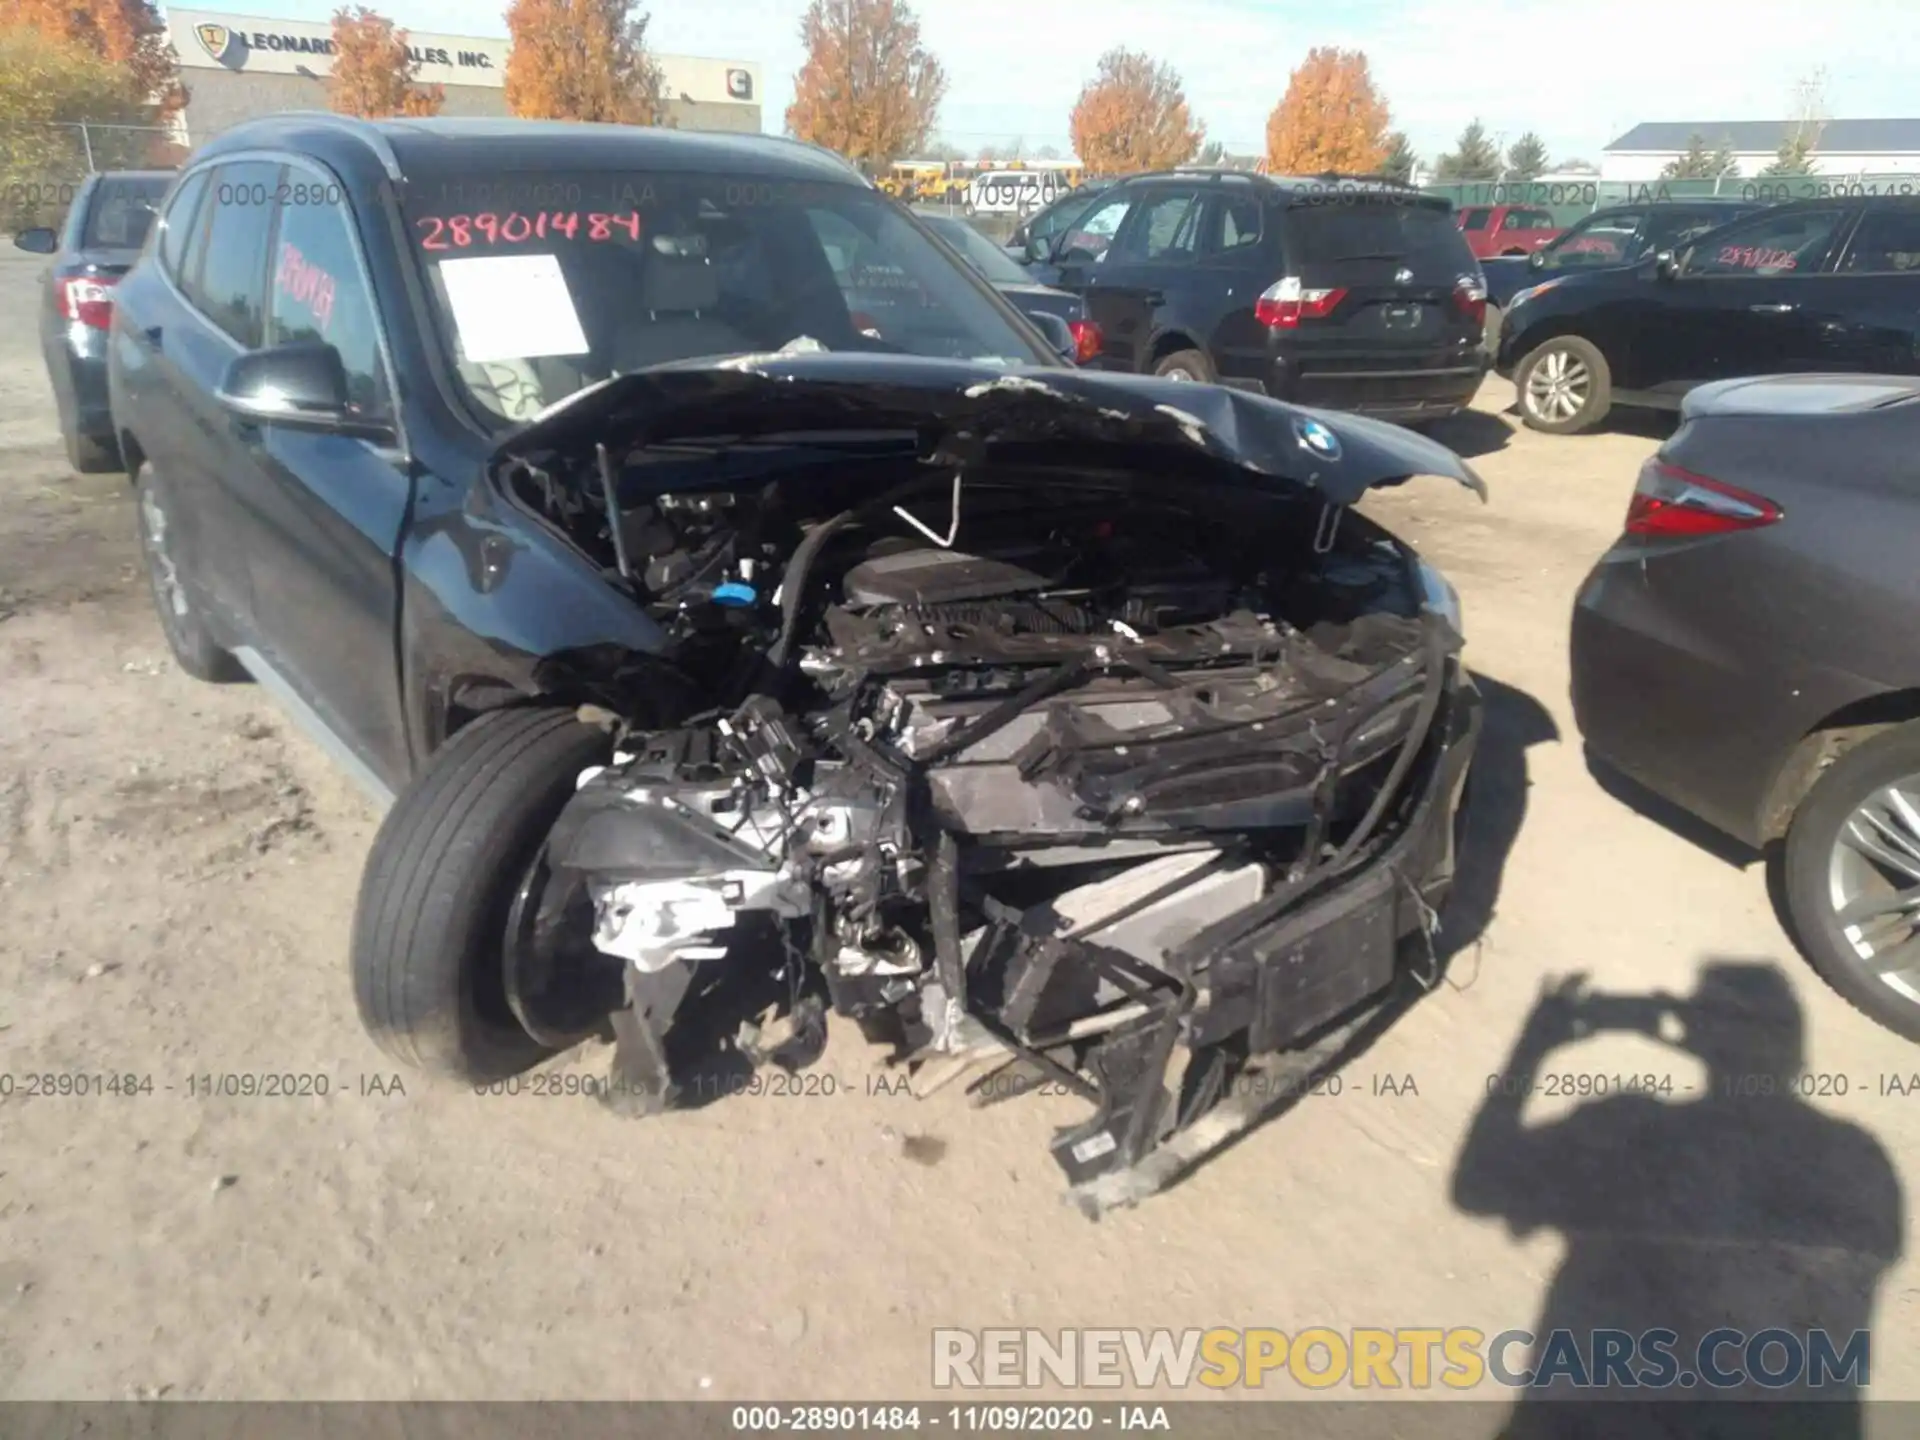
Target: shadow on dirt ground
[(1664, 813), (1698, 1210), (1472, 433)]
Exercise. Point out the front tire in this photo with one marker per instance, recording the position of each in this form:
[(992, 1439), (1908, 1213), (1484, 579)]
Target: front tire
[(1852, 878), (1185, 365), (430, 928), (1565, 386)]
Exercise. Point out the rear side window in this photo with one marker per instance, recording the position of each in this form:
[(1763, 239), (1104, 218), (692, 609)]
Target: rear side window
[(1235, 223), (1887, 243), (1390, 228), (228, 280), (177, 226), (122, 212), (1474, 219)]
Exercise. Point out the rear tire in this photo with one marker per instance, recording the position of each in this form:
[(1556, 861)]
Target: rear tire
[(430, 927), (1565, 386), (194, 649), (89, 456), (1820, 867), (1185, 365)]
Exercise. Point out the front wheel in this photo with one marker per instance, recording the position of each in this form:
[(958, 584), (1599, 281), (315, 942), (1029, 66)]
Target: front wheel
[(1185, 365), (1565, 386), (1852, 878), (445, 893)]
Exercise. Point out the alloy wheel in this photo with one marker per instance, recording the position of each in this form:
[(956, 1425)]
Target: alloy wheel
[(1558, 386), (166, 579), (1873, 883)]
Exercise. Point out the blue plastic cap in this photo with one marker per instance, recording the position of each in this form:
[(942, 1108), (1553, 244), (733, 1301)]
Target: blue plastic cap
[(735, 593)]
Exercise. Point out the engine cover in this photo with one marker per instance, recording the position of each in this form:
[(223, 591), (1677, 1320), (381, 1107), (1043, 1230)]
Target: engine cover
[(934, 577)]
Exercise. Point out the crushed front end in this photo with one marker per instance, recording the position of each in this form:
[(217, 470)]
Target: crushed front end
[(1148, 789)]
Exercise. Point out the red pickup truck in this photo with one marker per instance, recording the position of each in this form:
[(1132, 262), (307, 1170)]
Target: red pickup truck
[(1506, 229)]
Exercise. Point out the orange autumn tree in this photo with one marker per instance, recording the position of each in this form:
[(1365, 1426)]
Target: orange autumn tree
[(1133, 115), (128, 33), (373, 71), (868, 88), (582, 60), (1331, 118)]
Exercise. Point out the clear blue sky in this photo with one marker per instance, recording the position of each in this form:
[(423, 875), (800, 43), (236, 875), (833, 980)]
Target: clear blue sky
[(1580, 74)]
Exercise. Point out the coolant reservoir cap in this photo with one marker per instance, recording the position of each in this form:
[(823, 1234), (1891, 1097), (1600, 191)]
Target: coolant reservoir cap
[(735, 593)]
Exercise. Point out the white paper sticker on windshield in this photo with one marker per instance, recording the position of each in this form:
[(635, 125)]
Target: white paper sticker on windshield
[(512, 307)]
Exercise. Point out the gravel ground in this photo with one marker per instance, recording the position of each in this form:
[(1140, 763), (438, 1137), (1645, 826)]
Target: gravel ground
[(177, 869)]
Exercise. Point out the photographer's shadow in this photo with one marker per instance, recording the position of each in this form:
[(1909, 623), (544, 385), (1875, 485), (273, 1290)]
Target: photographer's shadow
[(1729, 1204)]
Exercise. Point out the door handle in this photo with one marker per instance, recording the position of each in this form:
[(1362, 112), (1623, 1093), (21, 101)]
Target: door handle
[(1155, 297), (1773, 309)]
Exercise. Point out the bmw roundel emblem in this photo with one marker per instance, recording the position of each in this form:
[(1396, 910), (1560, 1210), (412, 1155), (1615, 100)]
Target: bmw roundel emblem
[(1318, 438)]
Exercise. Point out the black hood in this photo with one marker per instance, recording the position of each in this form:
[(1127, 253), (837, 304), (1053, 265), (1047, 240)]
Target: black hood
[(1049, 416)]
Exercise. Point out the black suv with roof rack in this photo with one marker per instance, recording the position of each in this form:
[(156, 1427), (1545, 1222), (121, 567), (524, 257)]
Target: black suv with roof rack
[(1346, 292)]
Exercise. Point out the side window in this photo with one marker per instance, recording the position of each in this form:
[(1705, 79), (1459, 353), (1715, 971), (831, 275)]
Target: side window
[(176, 226), (1167, 228), (1672, 230), (1887, 243), (320, 293), (1772, 245), (1529, 220), (1235, 223), (1474, 219), (228, 282), (1093, 232)]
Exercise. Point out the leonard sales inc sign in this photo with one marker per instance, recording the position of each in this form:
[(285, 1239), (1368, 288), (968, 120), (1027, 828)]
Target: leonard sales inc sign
[(207, 40)]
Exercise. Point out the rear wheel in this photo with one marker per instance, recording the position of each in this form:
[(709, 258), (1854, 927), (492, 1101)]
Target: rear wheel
[(1185, 365), (194, 649), (1565, 386), (450, 899), (89, 456), (1852, 878)]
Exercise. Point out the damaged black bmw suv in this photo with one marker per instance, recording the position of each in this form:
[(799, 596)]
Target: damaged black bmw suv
[(732, 596)]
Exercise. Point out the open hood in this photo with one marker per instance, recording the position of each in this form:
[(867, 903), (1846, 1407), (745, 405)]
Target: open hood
[(975, 412)]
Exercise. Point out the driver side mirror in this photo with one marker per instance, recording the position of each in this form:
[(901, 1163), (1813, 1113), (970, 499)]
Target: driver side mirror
[(38, 241), (1537, 260), (302, 386), (1667, 265), (1038, 248)]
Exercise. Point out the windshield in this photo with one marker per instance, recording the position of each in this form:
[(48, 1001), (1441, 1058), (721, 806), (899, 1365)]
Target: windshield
[(985, 256), (122, 212), (1597, 240), (544, 283)]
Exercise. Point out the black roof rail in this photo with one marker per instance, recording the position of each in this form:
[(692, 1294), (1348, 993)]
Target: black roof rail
[(365, 129)]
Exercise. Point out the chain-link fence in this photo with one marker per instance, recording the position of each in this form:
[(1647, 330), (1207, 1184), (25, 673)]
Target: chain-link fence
[(42, 166)]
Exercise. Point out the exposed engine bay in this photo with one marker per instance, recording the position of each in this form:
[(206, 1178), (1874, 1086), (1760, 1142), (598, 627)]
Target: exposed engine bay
[(1036, 775)]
